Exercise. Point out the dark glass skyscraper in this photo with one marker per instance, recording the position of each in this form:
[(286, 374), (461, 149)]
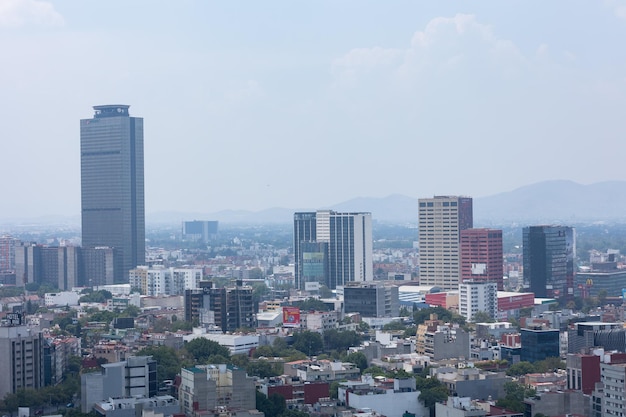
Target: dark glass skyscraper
[(112, 184), (549, 260)]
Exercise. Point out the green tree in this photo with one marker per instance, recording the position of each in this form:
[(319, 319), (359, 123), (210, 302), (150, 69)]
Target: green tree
[(341, 340), (520, 368), (240, 360), (482, 317), (514, 398), (266, 351), (168, 361), (201, 349), (273, 406), (357, 358), (262, 369), (307, 342), (313, 304), (549, 364)]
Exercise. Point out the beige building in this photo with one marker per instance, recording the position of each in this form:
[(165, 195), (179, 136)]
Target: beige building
[(441, 220)]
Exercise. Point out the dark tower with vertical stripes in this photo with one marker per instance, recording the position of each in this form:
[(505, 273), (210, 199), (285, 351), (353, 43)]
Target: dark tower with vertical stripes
[(112, 185)]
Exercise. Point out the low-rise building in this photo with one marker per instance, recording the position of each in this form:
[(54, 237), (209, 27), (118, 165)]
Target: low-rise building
[(208, 388), (129, 407), (295, 391), (321, 370), (388, 397)]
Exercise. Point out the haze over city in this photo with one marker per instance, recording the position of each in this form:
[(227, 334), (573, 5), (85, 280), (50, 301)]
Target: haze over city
[(281, 104)]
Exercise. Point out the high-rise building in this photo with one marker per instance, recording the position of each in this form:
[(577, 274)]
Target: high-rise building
[(112, 184), (23, 362), (475, 296), (441, 220), (199, 230), (346, 239), (7, 252), (549, 253), (481, 256)]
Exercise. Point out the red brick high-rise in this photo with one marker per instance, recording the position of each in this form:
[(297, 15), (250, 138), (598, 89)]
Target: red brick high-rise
[(481, 256)]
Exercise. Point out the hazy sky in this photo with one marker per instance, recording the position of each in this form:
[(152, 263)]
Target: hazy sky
[(258, 104)]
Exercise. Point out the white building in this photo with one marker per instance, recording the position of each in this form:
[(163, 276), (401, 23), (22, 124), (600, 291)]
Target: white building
[(236, 343), (158, 280), (63, 298), (478, 296), (387, 397)]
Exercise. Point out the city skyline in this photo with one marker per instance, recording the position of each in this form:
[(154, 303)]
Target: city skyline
[(371, 85)]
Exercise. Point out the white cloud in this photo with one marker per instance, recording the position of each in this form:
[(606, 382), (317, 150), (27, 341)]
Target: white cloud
[(446, 44), (16, 13), (618, 6)]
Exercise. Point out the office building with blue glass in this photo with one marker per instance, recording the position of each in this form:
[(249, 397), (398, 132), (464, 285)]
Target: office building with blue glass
[(112, 185), (538, 345)]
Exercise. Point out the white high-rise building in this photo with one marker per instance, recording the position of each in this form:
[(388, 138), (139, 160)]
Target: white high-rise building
[(475, 296), (158, 280), (441, 220)]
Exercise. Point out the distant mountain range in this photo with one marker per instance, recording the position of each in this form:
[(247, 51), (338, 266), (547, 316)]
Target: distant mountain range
[(544, 202)]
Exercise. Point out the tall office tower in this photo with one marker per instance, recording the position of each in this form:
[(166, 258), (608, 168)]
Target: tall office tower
[(112, 184), (549, 253), (481, 256), (441, 220), (345, 237), (304, 232)]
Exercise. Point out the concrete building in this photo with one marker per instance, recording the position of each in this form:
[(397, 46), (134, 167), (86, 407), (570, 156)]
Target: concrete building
[(459, 407), (319, 321), (209, 387), (23, 350), (338, 245), (159, 281), (112, 184), (296, 392), (387, 397), (321, 370), (371, 299), (236, 343), (549, 253), (165, 405), (471, 382), (481, 256), (558, 403), (134, 377), (585, 335), (64, 298), (475, 296), (441, 220)]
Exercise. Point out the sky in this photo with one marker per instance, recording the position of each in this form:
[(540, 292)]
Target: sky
[(260, 104)]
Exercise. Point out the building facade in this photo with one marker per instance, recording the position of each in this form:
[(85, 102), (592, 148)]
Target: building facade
[(549, 253), (481, 256), (478, 296), (441, 220), (112, 184), (337, 246), (199, 230), (209, 387), (538, 345), (23, 350), (371, 299)]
